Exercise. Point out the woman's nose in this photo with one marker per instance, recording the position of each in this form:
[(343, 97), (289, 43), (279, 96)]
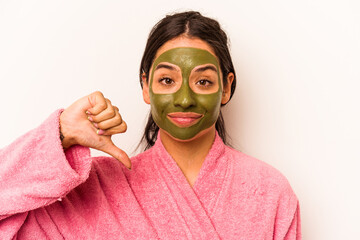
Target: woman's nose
[(184, 97)]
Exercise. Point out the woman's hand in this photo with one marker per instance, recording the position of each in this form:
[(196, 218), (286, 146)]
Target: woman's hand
[(90, 122)]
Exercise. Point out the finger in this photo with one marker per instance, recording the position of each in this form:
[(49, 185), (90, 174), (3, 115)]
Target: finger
[(112, 122), (109, 113), (107, 123), (115, 130), (117, 153), (98, 103)]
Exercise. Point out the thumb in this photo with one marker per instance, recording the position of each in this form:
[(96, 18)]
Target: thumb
[(117, 153)]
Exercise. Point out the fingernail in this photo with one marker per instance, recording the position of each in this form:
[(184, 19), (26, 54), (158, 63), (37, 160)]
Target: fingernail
[(95, 125), (100, 132), (90, 118), (87, 112)]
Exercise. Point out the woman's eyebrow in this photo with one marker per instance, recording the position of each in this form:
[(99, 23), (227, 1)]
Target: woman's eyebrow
[(161, 65), (208, 67)]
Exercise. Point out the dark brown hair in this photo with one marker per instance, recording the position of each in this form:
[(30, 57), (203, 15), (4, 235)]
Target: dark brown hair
[(190, 24)]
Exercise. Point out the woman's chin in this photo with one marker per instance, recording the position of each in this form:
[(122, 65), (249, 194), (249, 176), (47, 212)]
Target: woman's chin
[(184, 139)]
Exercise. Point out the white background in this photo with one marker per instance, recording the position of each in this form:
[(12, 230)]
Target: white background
[(296, 106)]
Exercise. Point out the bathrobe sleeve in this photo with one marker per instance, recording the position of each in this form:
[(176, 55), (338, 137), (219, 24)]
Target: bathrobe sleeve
[(35, 172), (287, 220)]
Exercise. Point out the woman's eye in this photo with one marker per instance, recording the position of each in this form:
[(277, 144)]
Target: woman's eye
[(204, 83), (166, 81)]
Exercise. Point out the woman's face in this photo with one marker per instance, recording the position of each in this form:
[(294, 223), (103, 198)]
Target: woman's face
[(185, 88)]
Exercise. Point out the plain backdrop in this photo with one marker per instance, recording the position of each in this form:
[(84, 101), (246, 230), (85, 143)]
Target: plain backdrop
[(296, 105)]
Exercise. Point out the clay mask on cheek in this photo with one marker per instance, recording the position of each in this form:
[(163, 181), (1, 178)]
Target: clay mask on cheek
[(184, 113)]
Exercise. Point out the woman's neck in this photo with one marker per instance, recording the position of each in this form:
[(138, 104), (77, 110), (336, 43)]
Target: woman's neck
[(189, 155)]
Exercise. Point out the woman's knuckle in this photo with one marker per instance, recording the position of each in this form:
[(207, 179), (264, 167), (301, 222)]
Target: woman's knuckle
[(110, 114), (101, 105), (123, 126), (119, 115), (98, 93), (118, 118)]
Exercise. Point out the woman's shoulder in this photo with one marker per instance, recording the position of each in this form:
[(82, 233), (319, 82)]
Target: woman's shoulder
[(257, 173)]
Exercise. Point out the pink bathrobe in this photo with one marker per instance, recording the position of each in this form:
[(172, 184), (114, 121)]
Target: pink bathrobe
[(48, 194)]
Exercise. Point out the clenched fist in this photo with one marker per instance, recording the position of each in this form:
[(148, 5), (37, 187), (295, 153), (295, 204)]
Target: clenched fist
[(90, 122)]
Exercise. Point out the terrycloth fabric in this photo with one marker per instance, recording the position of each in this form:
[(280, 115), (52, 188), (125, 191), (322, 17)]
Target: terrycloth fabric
[(48, 194)]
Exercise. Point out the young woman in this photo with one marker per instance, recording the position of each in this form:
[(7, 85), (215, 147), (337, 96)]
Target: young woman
[(187, 185)]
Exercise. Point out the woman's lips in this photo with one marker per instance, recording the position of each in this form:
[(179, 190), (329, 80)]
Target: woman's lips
[(184, 119)]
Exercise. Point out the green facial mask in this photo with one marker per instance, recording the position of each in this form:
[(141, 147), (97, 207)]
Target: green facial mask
[(185, 99)]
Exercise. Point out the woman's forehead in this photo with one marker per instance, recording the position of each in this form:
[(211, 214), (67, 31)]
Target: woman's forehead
[(184, 41), (176, 68), (186, 57)]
